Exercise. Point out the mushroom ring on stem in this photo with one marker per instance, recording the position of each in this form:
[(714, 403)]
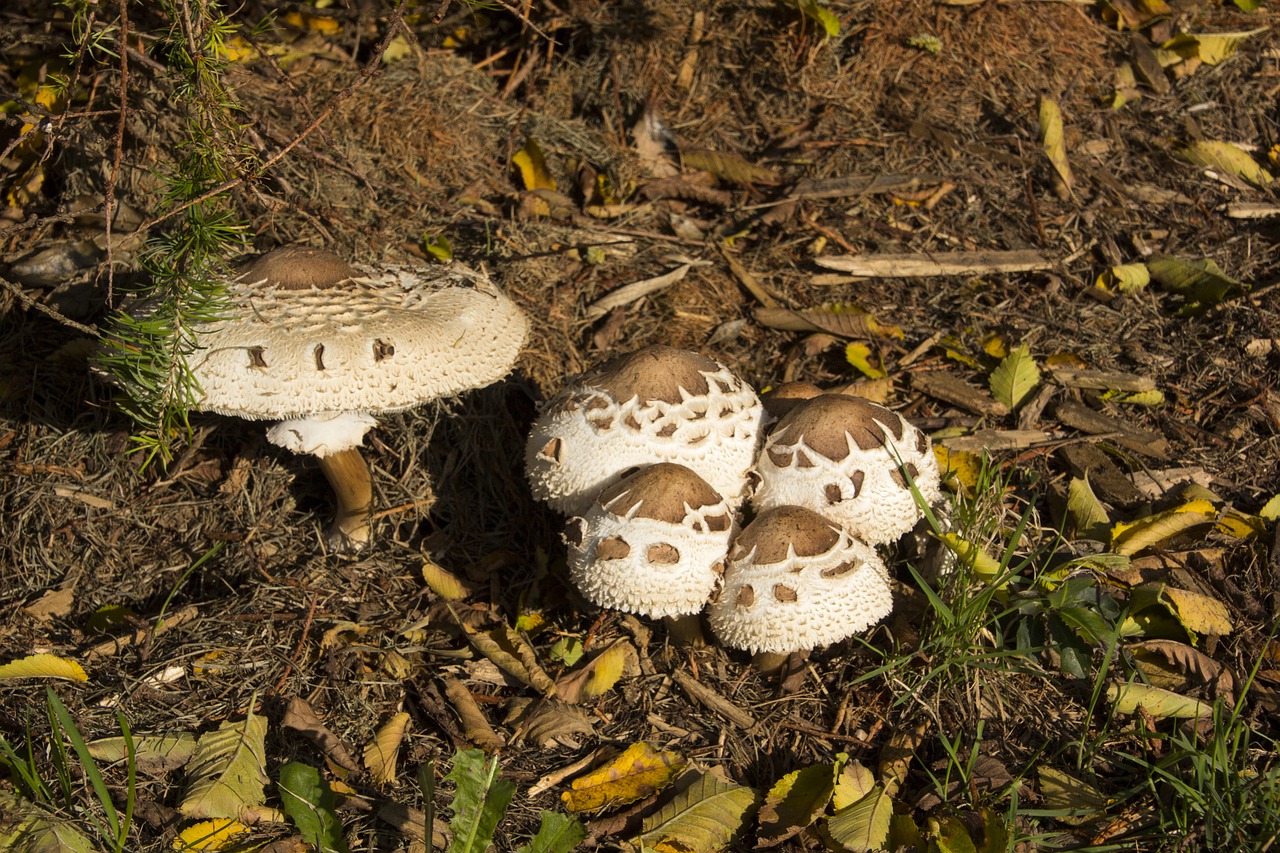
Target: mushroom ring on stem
[(657, 404), (796, 581), (852, 461), (323, 346), (654, 544)]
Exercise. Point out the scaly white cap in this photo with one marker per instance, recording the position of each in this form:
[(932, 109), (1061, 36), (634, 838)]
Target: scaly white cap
[(657, 404), (796, 581), (840, 456), (653, 543)]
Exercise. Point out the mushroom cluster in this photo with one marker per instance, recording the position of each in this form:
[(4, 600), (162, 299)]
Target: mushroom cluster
[(653, 454), (323, 346)]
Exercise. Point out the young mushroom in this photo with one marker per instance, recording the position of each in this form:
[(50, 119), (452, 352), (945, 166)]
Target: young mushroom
[(848, 459), (654, 544), (324, 346), (657, 404), (796, 581)]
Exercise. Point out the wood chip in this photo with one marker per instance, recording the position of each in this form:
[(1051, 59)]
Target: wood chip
[(629, 293), (1081, 417), (119, 644), (713, 701), (1103, 380), (84, 497), (938, 263), (861, 185), (1251, 210), (1155, 484), (996, 439), (950, 388), (1109, 483)]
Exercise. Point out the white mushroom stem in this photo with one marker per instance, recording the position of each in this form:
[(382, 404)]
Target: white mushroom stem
[(336, 440), (348, 473), (772, 663)]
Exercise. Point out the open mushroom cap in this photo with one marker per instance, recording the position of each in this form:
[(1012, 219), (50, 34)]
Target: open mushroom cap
[(308, 334), (845, 458), (796, 581), (657, 404), (652, 543)]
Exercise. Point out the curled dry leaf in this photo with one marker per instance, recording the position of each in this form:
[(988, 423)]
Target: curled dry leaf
[(844, 320), (302, 718)]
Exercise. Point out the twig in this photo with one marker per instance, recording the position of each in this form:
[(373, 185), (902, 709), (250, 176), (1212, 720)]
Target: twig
[(28, 302)]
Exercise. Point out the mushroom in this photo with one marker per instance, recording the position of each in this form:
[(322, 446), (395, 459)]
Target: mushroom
[(323, 346), (796, 581), (654, 544), (849, 459), (783, 398), (657, 404)]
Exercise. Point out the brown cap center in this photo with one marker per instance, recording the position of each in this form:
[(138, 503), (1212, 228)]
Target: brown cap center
[(298, 268)]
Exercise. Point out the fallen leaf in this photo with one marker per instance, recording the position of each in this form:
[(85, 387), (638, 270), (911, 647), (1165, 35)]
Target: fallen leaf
[(859, 356), (1184, 660), (1161, 704), (727, 167), (1086, 514), (531, 166), (1131, 537), (302, 718), (383, 751), (636, 773), (1125, 278), (795, 801), (1225, 157), (43, 666), (547, 722), (1015, 379), (600, 674), (1209, 48), (210, 835), (1062, 792), (312, 806), (702, 818), (156, 754), (226, 776), (1201, 283), (1054, 147), (843, 319), (862, 826)]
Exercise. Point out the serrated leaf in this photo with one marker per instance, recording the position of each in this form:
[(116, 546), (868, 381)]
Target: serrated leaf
[(638, 772), (1169, 664), (551, 720), (821, 14), (859, 355), (794, 802), (854, 782), (558, 833), (1225, 157), (480, 800), (845, 320), (382, 753), (210, 835), (1201, 283), (310, 803), (1131, 537), (531, 165), (27, 828), (904, 834), (1086, 514), (225, 776), (704, 817), (152, 753), (1209, 48), (1162, 704), (864, 825), (1125, 278), (1015, 379), (44, 666), (1051, 139)]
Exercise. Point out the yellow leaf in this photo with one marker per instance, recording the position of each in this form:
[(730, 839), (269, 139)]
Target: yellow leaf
[(964, 465), (859, 355), (1015, 379), (1131, 537), (983, 565), (443, 582), (1241, 525), (1085, 512), (995, 345), (398, 48), (605, 668), (1051, 138), (1209, 48), (1154, 397), (44, 666), (1198, 613), (1271, 509), (1225, 157), (1126, 278), (209, 835), (236, 49), (381, 754), (316, 23), (633, 775), (1159, 703), (532, 167)]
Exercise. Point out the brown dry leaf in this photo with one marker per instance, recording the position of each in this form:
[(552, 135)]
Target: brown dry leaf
[(597, 676), (845, 320), (512, 654), (54, 603), (444, 583), (633, 775), (653, 143), (549, 722), (896, 756), (1189, 662), (383, 751), (474, 723), (302, 718), (729, 168)]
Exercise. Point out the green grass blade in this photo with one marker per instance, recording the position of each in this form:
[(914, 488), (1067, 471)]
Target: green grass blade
[(87, 764)]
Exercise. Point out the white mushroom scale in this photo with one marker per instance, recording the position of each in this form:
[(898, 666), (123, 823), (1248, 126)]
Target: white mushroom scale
[(323, 346)]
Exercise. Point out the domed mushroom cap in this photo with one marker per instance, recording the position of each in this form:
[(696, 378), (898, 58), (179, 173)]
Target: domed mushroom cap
[(308, 334), (795, 581), (653, 543), (839, 455), (657, 404), (783, 398)]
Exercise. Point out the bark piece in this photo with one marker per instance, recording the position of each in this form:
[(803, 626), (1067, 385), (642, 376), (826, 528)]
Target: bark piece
[(1081, 417)]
